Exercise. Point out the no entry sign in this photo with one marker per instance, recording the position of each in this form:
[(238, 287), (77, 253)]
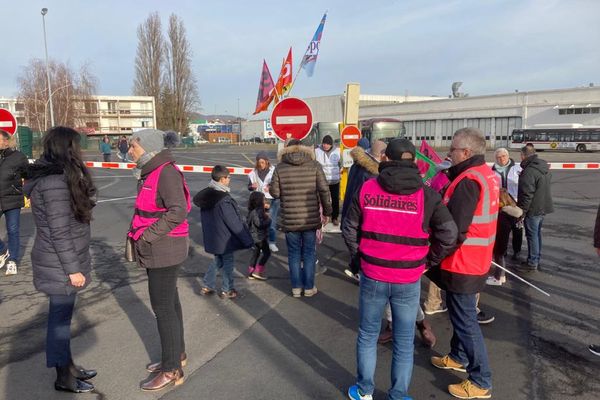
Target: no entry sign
[(291, 118), (350, 136), (8, 121)]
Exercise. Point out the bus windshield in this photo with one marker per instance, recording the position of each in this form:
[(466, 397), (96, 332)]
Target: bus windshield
[(386, 131)]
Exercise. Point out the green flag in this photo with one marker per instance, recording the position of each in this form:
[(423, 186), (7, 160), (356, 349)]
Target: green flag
[(426, 166)]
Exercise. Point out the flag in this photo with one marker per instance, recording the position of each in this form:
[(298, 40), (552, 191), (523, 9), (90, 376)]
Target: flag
[(426, 167), (310, 57), (265, 90), (284, 82), (429, 152)]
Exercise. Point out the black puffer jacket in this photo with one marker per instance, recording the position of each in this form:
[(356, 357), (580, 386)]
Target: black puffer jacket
[(12, 163), (62, 244), (300, 183), (258, 222), (535, 197)]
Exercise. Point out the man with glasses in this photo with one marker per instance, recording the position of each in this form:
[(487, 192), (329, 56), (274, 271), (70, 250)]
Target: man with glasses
[(472, 199), (11, 201)]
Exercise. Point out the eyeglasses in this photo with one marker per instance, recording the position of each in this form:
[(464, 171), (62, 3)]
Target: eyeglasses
[(453, 149)]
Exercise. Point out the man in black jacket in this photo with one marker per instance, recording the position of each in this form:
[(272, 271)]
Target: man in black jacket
[(11, 200), (535, 199)]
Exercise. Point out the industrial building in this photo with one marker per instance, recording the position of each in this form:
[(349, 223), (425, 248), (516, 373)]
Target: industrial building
[(435, 119)]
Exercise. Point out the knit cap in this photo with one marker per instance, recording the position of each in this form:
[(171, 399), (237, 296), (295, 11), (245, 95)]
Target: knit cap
[(151, 140)]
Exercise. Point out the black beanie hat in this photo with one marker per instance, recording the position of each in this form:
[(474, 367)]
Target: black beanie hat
[(327, 140), (262, 155), (397, 147)]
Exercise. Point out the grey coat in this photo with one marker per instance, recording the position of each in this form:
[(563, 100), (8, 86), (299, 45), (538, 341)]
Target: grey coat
[(300, 183), (62, 244)]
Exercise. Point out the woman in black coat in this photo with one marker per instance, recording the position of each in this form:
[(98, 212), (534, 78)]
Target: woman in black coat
[(62, 197)]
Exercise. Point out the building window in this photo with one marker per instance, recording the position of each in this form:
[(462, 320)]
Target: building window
[(562, 111), (579, 110), (112, 107), (20, 120), (19, 107), (4, 105), (91, 125), (595, 110), (91, 108)]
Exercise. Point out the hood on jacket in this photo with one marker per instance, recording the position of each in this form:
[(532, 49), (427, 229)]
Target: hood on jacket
[(34, 172), (365, 160), (209, 198), (296, 155), (401, 177), (537, 163)]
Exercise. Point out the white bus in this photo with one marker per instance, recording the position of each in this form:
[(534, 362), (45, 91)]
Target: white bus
[(558, 137)]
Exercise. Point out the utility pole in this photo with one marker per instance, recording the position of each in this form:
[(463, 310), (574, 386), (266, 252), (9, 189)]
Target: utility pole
[(44, 12)]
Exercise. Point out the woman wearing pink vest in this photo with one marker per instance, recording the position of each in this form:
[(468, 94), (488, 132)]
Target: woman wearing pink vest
[(160, 230)]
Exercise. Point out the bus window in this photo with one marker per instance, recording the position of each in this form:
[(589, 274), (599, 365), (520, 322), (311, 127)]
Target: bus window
[(386, 131), (517, 136)]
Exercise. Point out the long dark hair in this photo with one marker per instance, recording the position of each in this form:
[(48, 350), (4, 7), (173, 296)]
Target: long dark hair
[(256, 201), (61, 148)]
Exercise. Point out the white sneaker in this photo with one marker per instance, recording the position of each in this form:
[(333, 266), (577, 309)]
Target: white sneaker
[(310, 292), (11, 268), (273, 247), (492, 281), (3, 258), (351, 275)]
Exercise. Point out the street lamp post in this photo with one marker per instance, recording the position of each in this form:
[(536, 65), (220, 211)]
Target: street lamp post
[(44, 12)]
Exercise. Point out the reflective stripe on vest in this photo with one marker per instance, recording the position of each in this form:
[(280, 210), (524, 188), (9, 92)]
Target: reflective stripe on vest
[(474, 256), (147, 212), (393, 245)]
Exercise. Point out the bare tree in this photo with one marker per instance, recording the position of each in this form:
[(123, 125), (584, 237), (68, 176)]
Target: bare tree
[(149, 61), (70, 91), (180, 92)]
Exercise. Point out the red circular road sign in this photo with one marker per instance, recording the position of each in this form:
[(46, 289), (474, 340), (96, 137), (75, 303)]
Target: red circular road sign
[(291, 118), (350, 136), (8, 121)]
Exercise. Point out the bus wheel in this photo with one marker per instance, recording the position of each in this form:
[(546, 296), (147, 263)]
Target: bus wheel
[(581, 148)]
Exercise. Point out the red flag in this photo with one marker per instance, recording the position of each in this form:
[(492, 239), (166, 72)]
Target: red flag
[(429, 152), (266, 90), (285, 76)]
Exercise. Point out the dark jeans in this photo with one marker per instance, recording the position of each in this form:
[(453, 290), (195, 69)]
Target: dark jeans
[(106, 157), (301, 258), (467, 346), (273, 212), (533, 231), (517, 238), (256, 250), (164, 298), (335, 200), (58, 335), (13, 220)]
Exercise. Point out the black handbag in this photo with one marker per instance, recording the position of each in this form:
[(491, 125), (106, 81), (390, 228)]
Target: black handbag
[(130, 249)]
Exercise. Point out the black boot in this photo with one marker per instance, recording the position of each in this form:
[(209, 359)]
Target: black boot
[(81, 373), (67, 382)]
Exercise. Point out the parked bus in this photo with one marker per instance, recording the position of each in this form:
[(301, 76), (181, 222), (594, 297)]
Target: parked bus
[(384, 129), (320, 130), (579, 138)]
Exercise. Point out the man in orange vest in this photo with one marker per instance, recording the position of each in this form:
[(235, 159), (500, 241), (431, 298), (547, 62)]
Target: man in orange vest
[(472, 198)]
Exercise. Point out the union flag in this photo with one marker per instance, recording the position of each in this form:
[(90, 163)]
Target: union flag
[(284, 82), (266, 91)]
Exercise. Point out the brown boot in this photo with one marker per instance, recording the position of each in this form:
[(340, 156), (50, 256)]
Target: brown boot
[(164, 379), (427, 335), (387, 335), (155, 367)]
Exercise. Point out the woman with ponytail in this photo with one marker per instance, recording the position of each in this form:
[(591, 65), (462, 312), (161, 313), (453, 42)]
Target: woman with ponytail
[(62, 197)]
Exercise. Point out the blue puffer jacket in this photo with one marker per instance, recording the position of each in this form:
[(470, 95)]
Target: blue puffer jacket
[(223, 229)]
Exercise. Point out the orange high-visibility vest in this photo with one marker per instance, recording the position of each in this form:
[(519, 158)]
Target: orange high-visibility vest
[(474, 256)]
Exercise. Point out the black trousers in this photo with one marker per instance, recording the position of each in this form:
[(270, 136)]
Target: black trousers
[(257, 249), (164, 298), (106, 157), (517, 238), (58, 335), (335, 200)]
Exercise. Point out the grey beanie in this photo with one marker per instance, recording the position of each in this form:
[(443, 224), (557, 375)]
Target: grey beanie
[(151, 140)]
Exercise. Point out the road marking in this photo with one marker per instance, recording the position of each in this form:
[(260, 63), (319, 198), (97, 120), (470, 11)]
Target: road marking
[(101, 188), (249, 160)]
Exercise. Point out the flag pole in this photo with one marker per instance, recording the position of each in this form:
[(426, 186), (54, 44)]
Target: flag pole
[(521, 279)]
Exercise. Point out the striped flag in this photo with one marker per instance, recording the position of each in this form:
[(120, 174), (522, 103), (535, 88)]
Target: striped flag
[(312, 52)]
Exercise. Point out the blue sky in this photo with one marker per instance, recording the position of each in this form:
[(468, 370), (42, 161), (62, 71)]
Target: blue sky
[(389, 46)]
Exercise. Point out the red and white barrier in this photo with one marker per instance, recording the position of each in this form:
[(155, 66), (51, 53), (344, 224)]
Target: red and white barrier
[(568, 166), (203, 169)]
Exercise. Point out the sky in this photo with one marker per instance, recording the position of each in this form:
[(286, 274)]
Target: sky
[(391, 47)]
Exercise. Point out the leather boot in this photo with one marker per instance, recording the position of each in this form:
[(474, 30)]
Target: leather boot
[(67, 382), (155, 367), (81, 373), (164, 379), (427, 335)]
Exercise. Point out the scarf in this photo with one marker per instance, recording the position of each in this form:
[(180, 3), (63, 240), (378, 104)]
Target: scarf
[(217, 186), (137, 171)]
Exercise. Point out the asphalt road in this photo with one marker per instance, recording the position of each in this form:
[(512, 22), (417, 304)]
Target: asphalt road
[(268, 345)]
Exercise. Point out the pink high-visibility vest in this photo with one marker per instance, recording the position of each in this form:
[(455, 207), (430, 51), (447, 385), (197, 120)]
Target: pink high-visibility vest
[(146, 210), (393, 245)]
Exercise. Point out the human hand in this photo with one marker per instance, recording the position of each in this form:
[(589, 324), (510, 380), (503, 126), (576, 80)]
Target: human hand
[(254, 186), (77, 279), (324, 220), (266, 189)]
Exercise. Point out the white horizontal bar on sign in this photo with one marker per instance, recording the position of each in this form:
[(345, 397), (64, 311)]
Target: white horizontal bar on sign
[(6, 124), (291, 119), (351, 137)]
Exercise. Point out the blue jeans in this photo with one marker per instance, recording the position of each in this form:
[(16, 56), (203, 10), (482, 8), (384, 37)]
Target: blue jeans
[(301, 250), (224, 262), (404, 302), (533, 232), (58, 335), (13, 218), (467, 346), (273, 211)]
